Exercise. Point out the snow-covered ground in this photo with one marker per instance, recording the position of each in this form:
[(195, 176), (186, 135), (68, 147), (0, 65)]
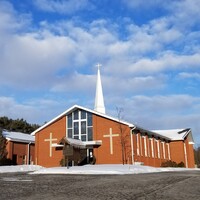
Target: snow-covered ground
[(89, 169), (19, 168)]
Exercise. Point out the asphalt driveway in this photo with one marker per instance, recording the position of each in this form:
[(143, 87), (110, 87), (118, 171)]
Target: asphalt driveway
[(170, 185)]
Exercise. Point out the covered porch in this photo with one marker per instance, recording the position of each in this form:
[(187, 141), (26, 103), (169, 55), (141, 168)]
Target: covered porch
[(77, 152)]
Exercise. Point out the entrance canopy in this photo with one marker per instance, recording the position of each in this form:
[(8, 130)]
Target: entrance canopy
[(78, 143)]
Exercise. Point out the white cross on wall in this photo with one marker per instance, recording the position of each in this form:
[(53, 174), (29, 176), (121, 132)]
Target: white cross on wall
[(50, 140), (111, 139)]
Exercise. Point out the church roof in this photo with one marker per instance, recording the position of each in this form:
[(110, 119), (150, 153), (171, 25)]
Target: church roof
[(171, 135), (175, 134), (71, 109), (18, 136)]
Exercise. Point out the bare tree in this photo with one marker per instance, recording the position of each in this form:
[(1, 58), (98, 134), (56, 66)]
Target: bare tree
[(197, 156), (124, 137), (3, 151)]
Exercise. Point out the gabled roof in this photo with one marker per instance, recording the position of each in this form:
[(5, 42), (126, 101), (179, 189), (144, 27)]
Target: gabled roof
[(175, 134), (18, 137), (171, 135), (82, 108)]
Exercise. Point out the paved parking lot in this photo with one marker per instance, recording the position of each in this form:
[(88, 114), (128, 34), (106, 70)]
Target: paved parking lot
[(171, 185)]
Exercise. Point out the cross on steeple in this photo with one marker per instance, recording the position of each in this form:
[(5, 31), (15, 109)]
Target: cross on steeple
[(98, 65)]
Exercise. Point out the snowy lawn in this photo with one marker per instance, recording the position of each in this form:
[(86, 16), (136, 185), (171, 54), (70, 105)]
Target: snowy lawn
[(89, 169), (19, 168), (106, 169)]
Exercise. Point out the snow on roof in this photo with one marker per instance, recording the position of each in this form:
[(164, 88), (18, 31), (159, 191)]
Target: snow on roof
[(81, 144), (174, 134), (18, 136), (82, 108), (75, 143)]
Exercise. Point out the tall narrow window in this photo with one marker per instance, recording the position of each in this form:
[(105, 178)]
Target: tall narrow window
[(145, 146), (89, 119), (158, 148), (152, 148), (138, 150), (69, 125), (148, 146), (163, 145), (79, 125), (168, 149), (76, 130), (141, 145)]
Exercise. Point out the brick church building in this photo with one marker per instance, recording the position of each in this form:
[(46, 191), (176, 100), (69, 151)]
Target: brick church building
[(95, 137), (20, 147)]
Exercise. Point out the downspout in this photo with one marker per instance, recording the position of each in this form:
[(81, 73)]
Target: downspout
[(132, 149)]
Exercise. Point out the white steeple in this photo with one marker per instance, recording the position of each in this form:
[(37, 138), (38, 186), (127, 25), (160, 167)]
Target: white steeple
[(99, 101)]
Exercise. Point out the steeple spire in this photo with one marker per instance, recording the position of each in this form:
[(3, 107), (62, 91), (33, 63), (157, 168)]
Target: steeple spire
[(99, 101)]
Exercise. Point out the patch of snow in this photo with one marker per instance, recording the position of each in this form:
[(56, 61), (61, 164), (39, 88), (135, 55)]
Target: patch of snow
[(14, 179), (91, 169), (19, 168), (106, 169)]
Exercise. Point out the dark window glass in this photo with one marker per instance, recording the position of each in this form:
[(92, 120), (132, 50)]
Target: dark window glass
[(83, 127), (89, 119), (90, 137), (76, 114), (76, 137), (69, 121), (69, 133), (83, 137), (76, 128), (83, 114)]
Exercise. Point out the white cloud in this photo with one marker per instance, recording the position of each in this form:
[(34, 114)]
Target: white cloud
[(34, 58), (138, 4), (185, 13), (160, 112), (63, 6), (31, 61), (75, 82), (186, 75), (33, 110), (10, 108)]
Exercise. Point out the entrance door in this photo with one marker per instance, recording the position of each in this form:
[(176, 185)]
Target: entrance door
[(14, 159)]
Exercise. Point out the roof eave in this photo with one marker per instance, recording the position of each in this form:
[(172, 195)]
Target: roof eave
[(83, 108)]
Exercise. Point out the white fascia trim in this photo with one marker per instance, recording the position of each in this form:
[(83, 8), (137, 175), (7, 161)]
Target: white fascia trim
[(94, 142), (57, 145), (191, 143), (19, 140), (80, 107)]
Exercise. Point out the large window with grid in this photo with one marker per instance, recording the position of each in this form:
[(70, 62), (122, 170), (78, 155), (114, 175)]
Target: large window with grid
[(79, 125)]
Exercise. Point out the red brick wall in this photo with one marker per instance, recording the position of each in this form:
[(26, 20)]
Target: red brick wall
[(20, 149), (190, 154), (101, 127), (42, 147), (148, 158), (177, 151)]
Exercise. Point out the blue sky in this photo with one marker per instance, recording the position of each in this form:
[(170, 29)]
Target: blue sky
[(149, 51)]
